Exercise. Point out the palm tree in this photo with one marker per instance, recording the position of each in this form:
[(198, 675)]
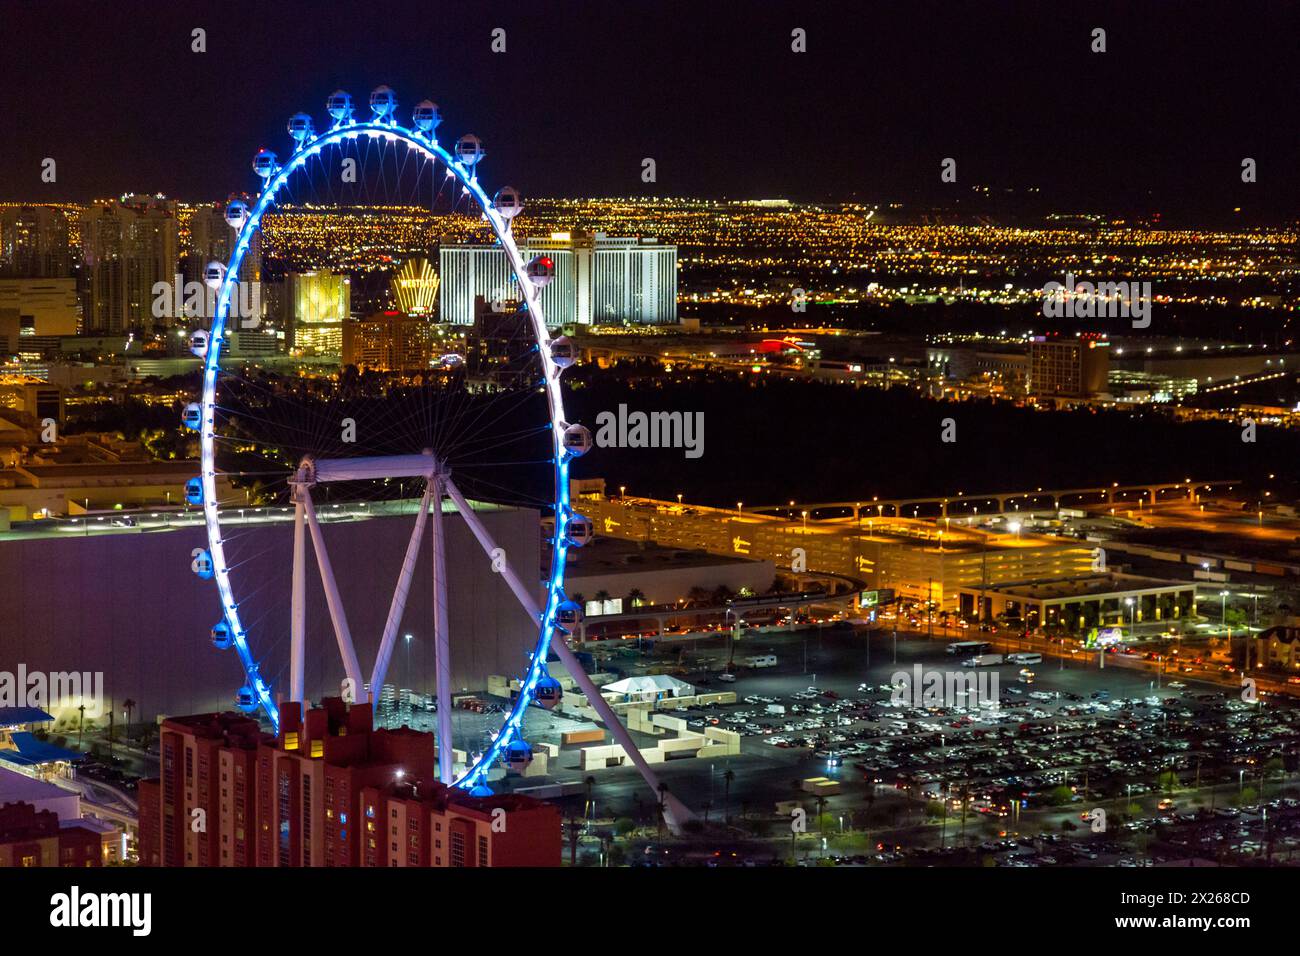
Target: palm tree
[(575, 834), (663, 792), (635, 597), (590, 808), (128, 705), (698, 595), (602, 595), (81, 722), (728, 775)]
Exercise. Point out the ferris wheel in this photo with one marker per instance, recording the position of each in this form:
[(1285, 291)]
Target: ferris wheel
[(318, 465)]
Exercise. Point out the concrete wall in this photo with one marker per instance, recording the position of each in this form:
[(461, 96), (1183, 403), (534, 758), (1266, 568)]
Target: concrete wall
[(714, 742), (129, 605), (667, 585)]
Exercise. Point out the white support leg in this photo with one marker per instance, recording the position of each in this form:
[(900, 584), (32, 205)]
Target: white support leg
[(337, 614), (298, 601), (403, 588), (675, 812), (441, 639)]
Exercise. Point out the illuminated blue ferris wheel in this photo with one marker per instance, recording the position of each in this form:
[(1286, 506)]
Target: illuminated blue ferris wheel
[(554, 616)]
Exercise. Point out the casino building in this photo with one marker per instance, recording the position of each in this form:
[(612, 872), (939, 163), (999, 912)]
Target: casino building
[(599, 279)]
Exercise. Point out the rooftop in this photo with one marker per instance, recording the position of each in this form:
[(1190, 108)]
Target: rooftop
[(608, 555), (1089, 586), (20, 788)]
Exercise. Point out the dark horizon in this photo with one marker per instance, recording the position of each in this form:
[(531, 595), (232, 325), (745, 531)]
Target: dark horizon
[(1156, 127)]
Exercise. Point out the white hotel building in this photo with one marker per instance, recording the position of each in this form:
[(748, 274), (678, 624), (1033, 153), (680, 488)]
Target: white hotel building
[(598, 280)]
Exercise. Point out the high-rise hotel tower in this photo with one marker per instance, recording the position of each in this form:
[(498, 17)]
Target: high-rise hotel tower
[(599, 280)]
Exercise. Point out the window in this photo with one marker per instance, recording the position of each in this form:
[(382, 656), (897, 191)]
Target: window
[(457, 849), (482, 851), (284, 808)]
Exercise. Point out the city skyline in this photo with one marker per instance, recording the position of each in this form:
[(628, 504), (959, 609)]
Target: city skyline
[(893, 470)]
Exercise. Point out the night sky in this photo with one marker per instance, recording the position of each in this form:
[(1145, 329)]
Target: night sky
[(1159, 123)]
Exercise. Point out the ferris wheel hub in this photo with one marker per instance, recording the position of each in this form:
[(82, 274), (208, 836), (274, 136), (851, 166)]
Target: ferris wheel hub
[(315, 471)]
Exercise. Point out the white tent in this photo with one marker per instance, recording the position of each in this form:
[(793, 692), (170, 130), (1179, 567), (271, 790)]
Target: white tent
[(649, 687)]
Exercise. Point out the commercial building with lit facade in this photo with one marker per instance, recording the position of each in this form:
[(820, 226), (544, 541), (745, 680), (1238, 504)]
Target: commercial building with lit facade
[(388, 342), (318, 304), (1082, 602), (1069, 368), (31, 308), (500, 350), (329, 790), (34, 242), (599, 280), (210, 238), (919, 559), (415, 288), (128, 247)]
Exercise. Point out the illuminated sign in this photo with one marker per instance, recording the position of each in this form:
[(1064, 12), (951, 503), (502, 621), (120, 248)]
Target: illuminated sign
[(1103, 636), (872, 598)]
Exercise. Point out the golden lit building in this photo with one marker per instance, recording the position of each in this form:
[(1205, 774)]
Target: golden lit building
[(415, 287), (917, 558), (318, 304)]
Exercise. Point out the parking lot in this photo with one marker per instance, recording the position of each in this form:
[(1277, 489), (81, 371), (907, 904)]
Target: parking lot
[(1075, 738)]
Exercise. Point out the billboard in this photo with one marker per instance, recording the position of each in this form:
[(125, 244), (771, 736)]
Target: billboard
[(1103, 636), (874, 598)]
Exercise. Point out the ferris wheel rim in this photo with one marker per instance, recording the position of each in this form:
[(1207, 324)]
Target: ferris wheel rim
[(427, 145)]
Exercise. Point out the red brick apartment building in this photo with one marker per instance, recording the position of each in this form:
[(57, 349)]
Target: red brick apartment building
[(328, 791), (31, 837)]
